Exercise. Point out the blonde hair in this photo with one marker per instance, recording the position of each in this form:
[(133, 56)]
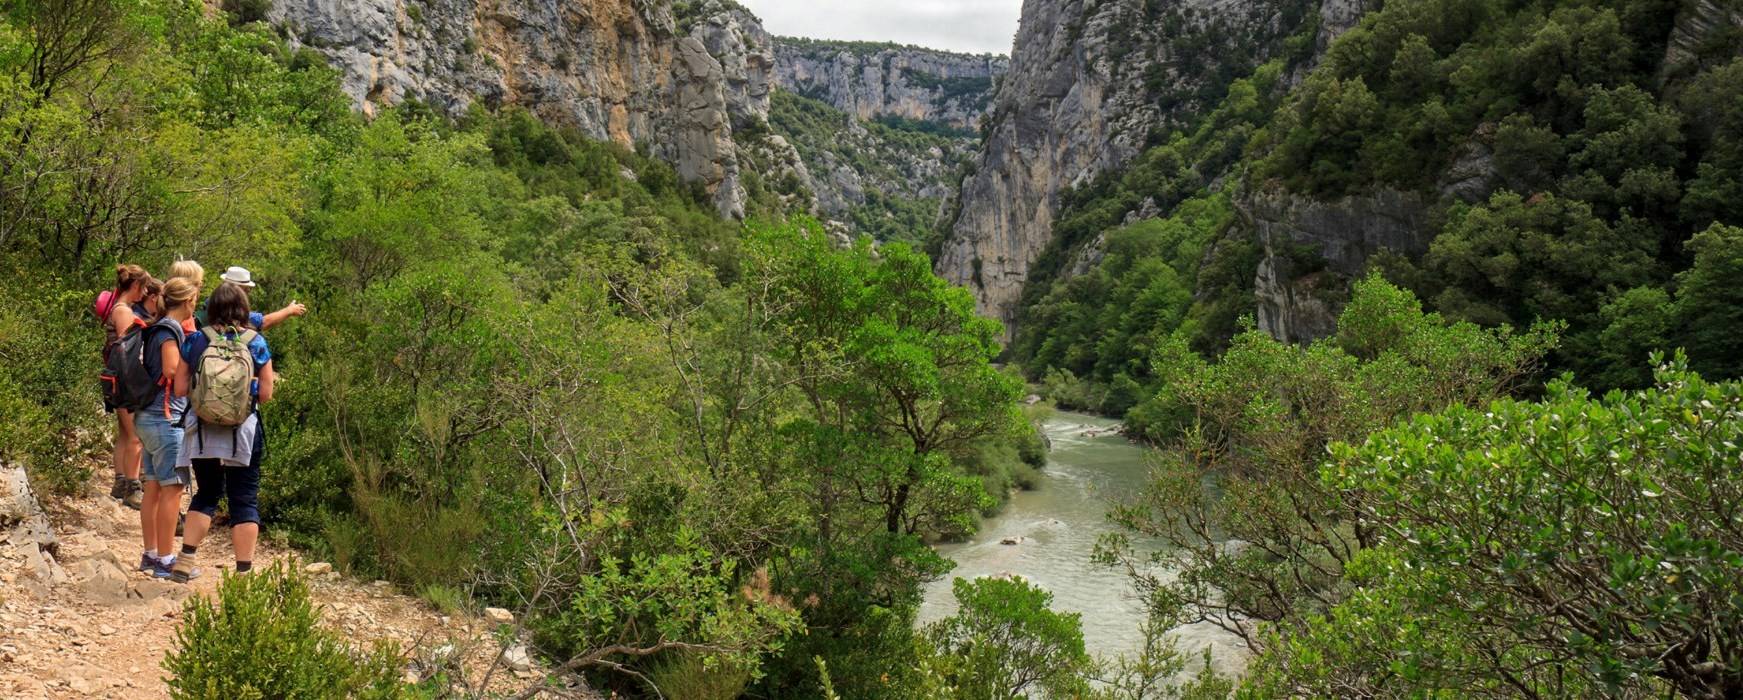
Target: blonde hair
[(188, 270), (179, 292)]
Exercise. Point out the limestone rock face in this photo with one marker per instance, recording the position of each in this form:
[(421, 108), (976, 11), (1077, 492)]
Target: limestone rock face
[(1696, 22), (1299, 300), (873, 80), (1090, 85), (27, 542), (618, 70)]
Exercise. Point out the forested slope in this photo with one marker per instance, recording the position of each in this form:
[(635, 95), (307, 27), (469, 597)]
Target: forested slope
[(1507, 161)]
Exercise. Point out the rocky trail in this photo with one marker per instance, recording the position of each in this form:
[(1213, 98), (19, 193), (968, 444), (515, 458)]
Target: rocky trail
[(76, 619)]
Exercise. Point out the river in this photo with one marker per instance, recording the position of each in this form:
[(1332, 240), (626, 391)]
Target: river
[(1059, 523)]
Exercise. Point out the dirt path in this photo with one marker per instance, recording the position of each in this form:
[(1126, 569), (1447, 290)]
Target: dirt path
[(79, 621)]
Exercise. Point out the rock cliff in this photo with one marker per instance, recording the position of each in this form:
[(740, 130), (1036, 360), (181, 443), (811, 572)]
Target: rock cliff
[(885, 80), (1312, 248), (1092, 83), (619, 70)]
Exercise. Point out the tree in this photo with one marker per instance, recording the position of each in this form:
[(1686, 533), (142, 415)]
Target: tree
[(1571, 547), (1254, 537), (1709, 305), (1005, 642)]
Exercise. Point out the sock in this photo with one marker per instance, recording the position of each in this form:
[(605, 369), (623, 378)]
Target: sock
[(188, 549), (151, 554), (168, 560), (242, 567)]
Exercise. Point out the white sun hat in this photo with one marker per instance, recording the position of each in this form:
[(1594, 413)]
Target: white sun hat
[(239, 275)]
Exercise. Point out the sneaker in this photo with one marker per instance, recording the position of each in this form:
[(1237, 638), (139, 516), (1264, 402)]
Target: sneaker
[(147, 562), (159, 569), (183, 570)]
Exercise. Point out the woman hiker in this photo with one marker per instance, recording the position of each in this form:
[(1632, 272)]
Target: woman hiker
[(160, 429), (121, 309), (229, 369)]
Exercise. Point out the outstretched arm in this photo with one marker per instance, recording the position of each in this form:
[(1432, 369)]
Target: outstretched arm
[(277, 317)]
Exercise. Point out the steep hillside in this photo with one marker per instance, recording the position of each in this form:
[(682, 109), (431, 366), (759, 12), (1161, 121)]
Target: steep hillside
[(678, 80), (1092, 84), (871, 178), (869, 80), (1571, 160)]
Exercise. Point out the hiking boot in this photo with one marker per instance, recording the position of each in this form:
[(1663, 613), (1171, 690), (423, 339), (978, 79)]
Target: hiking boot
[(183, 570), (120, 488), (135, 498)]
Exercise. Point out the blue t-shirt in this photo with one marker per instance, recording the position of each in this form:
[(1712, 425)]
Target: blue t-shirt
[(163, 399), (255, 319), (197, 343)]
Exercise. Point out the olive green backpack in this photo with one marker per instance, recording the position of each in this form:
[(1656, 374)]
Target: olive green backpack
[(222, 391)]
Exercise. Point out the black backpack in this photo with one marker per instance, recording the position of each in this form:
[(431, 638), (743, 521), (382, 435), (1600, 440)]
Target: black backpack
[(125, 381)]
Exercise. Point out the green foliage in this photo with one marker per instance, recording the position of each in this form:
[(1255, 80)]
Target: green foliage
[(1605, 501), (49, 344), (1005, 642), (1709, 304), (1245, 436), (261, 638), (537, 369)]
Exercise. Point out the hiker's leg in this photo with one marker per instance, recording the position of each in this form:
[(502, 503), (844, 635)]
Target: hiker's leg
[(148, 517), (208, 487), (127, 449), (169, 501), (243, 492)]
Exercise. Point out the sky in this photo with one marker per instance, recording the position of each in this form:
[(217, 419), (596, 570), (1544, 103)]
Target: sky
[(973, 26)]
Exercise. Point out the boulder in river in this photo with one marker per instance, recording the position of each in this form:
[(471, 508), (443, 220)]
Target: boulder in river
[(1012, 540)]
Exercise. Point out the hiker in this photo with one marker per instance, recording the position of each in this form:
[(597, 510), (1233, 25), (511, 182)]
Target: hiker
[(192, 272), (121, 309), (159, 424), (228, 369), (241, 277)]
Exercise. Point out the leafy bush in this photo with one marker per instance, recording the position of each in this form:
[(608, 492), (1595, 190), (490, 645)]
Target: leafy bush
[(1568, 547), (261, 638), (1256, 425), (1005, 642), (49, 352)]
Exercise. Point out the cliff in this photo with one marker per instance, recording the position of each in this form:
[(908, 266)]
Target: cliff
[(1091, 85), (870, 81), (618, 70)]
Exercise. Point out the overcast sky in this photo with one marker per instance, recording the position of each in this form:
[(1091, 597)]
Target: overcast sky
[(975, 26)]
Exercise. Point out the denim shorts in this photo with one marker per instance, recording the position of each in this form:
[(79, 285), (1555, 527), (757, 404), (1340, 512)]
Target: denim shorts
[(161, 439)]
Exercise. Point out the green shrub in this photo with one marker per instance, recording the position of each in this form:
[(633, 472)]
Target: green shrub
[(694, 677), (260, 639), (49, 345)]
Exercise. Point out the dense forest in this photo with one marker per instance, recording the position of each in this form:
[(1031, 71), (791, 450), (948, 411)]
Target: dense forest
[(704, 458)]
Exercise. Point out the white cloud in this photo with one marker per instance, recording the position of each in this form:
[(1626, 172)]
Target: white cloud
[(975, 26)]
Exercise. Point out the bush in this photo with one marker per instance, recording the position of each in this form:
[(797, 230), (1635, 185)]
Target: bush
[(49, 345), (1591, 541), (261, 640)]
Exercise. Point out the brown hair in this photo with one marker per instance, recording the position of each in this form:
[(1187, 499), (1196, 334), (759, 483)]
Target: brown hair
[(179, 292), (128, 275), (228, 306)]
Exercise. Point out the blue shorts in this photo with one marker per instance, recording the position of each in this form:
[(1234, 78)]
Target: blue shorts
[(162, 443)]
